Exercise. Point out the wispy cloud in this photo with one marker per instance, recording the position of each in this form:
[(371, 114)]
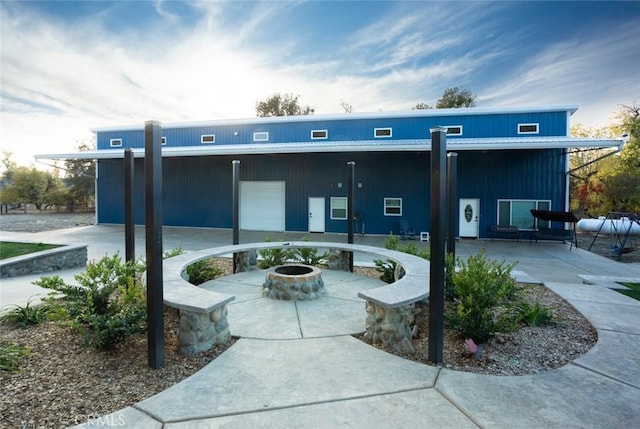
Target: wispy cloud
[(592, 72), (207, 60)]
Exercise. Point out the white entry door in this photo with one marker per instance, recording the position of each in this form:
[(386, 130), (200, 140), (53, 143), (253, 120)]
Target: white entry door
[(316, 214), (469, 217)]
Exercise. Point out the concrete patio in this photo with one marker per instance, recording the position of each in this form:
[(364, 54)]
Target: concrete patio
[(302, 376)]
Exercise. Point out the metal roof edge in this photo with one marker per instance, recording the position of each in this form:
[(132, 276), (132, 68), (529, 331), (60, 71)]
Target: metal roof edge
[(503, 143), (463, 111)]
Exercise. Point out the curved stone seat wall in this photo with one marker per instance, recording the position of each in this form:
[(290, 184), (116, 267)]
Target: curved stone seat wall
[(389, 308)]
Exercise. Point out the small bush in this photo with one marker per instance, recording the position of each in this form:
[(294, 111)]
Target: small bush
[(274, 257), (482, 289), (392, 242), (108, 304), (172, 252), (532, 315), (203, 271), (449, 272), (27, 315), (386, 269), (10, 356), (309, 255)]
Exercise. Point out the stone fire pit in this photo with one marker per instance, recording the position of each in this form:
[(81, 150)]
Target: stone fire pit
[(293, 282)]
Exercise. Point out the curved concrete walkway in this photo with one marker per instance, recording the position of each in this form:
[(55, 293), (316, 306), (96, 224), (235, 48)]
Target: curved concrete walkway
[(333, 380)]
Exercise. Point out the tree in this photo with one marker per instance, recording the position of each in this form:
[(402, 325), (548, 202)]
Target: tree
[(451, 98), (348, 108), (80, 179), (629, 117), (28, 185), (282, 105), (612, 183), (421, 106), (456, 97)]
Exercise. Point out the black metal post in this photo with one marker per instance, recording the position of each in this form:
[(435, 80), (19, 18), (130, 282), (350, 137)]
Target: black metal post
[(438, 230), (350, 198), (452, 196), (129, 224), (235, 191), (153, 229)]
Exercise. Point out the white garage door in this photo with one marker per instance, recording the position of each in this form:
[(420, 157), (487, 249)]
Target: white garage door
[(262, 206)]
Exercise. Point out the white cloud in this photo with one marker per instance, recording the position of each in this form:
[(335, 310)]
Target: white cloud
[(59, 80), (593, 73)]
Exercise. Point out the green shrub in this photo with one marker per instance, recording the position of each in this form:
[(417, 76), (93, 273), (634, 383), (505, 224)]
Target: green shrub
[(449, 272), (107, 305), (482, 290), (392, 242), (309, 255), (273, 257), (27, 315), (203, 271), (532, 315), (172, 252), (10, 356), (386, 269)]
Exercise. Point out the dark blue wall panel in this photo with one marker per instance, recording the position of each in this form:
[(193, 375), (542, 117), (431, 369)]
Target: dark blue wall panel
[(197, 190), (346, 129)]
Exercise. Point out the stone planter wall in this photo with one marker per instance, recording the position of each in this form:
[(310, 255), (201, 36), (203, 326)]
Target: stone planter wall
[(47, 261)]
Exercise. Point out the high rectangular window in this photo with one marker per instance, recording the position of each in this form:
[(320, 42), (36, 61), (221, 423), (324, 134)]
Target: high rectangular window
[(339, 208), (382, 132), (518, 213), (527, 128), (454, 130), (261, 136), (319, 134), (163, 141), (115, 142), (393, 206), (207, 138)]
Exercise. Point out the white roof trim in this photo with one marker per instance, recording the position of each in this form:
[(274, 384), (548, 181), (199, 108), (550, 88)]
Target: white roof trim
[(464, 111), (458, 144)]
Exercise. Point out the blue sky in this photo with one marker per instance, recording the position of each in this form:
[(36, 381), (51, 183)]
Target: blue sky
[(68, 66)]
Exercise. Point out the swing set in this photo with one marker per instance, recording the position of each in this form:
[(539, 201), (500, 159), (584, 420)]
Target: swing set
[(619, 225)]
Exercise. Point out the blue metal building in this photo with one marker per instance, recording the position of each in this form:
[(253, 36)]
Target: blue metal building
[(293, 170)]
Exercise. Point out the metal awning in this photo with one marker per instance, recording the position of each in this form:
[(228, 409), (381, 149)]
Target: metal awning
[(415, 145)]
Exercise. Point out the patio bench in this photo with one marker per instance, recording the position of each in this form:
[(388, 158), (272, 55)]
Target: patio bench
[(390, 308), (203, 314), (510, 231)]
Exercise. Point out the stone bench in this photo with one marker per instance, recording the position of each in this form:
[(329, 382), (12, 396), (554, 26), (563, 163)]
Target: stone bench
[(203, 314), (389, 308)]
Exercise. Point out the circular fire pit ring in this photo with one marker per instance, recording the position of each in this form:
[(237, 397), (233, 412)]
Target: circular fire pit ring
[(293, 282)]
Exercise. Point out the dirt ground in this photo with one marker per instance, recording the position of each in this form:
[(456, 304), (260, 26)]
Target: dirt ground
[(602, 246)]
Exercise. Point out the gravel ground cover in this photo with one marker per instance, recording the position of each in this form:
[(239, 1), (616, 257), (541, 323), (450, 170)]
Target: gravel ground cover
[(62, 383)]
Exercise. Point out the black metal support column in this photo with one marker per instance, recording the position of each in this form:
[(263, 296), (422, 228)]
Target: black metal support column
[(438, 230), (129, 224), (153, 229), (351, 189), (235, 191), (452, 196)]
